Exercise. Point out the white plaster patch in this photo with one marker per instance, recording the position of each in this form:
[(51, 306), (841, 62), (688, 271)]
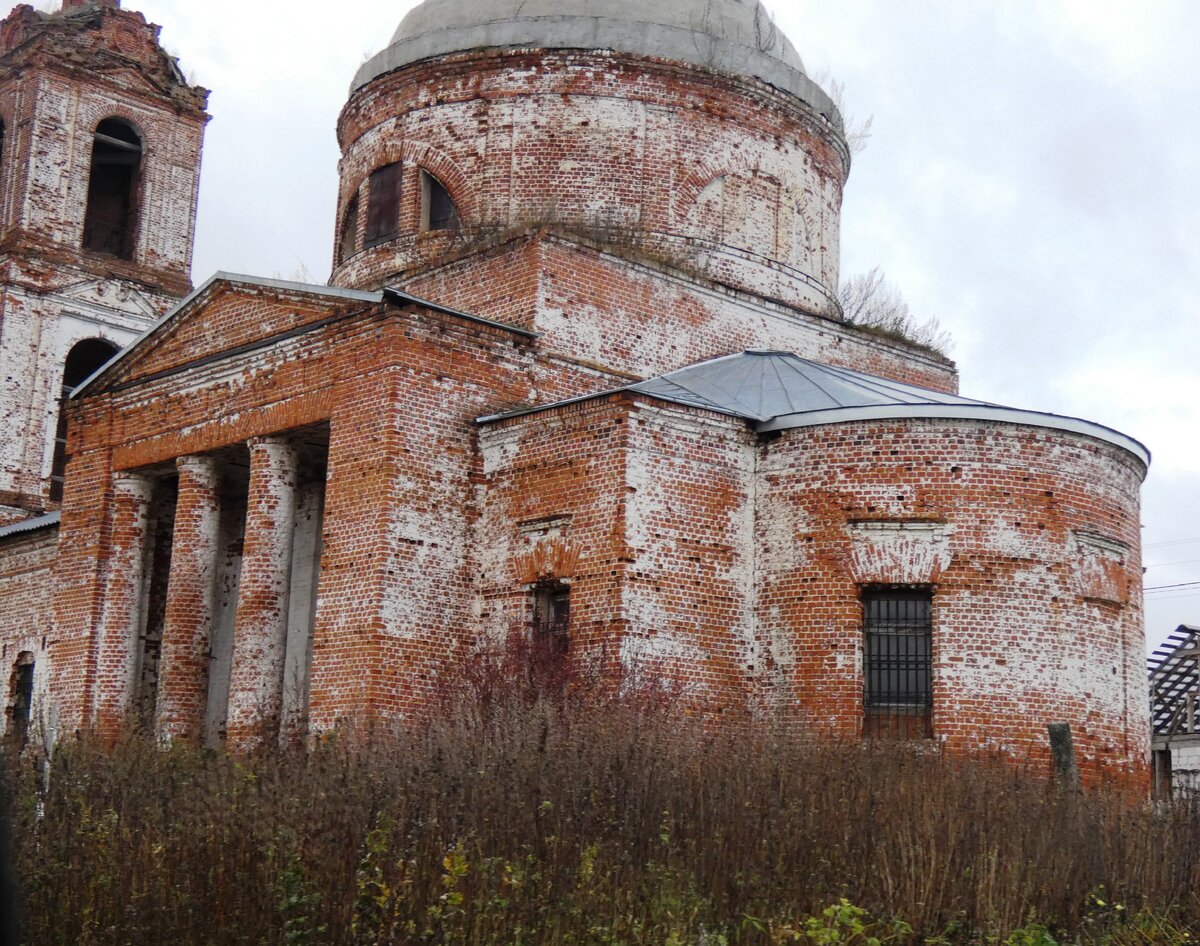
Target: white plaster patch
[(654, 650), (500, 448), (899, 553)]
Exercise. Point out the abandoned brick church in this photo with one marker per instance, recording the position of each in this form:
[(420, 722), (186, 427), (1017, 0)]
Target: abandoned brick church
[(580, 375)]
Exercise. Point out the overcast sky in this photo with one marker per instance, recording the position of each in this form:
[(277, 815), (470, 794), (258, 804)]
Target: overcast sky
[(1032, 180)]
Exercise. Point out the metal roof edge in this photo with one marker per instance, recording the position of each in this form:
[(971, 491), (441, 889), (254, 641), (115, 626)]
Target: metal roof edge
[(408, 297), (978, 411), (537, 409), (233, 279), (36, 524), (627, 389)]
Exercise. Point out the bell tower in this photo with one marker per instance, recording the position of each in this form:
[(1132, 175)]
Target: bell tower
[(100, 140)]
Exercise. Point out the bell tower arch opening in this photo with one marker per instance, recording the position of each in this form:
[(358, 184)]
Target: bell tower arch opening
[(83, 360), (110, 224)]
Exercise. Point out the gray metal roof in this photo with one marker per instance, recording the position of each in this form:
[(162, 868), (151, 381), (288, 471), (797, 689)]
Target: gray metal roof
[(48, 521), (730, 36), (761, 385), (777, 390)]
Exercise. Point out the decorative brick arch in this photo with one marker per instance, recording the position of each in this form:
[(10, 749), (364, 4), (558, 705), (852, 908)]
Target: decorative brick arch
[(688, 191), (120, 112), (460, 186), (457, 182)]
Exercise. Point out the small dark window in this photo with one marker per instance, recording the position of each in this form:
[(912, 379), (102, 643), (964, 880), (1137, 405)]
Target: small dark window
[(897, 663), (437, 207), (1161, 773), (20, 699), (349, 235), (110, 223), (83, 360), (551, 635), (383, 205)]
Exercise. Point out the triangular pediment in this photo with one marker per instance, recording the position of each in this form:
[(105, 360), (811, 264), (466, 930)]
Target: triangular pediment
[(228, 314)]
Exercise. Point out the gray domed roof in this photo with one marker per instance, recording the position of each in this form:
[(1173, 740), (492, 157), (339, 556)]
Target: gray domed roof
[(731, 36)]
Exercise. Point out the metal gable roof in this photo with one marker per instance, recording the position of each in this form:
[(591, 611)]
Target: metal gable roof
[(761, 385), (777, 390)]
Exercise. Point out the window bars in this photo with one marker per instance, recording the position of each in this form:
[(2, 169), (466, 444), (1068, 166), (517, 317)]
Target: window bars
[(897, 664)]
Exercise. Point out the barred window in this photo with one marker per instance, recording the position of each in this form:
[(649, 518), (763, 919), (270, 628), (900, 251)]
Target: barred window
[(552, 619), (897, 663)]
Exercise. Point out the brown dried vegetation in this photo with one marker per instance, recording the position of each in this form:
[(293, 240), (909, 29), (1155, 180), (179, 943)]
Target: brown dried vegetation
[(584, 817)]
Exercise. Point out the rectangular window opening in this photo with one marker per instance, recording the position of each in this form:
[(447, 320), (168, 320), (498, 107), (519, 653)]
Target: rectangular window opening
[(20, 700), (551, 635), (897, 663), (383, 205)]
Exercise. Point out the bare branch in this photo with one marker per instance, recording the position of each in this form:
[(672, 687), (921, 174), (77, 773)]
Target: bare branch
[(868, 300), (856, 132)]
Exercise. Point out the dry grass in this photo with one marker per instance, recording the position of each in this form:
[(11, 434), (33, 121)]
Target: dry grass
[(592, 819)]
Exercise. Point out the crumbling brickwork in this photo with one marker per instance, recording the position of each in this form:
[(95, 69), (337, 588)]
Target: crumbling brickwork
[(289, 509), (1030, 539), (62, 76)]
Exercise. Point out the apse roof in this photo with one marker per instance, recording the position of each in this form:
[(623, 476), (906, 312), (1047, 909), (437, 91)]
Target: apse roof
[(777, 390), (762, 385), (731, 36)]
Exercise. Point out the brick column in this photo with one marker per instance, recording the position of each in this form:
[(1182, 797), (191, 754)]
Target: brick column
[(119, 649), (187, 626), (261, 625)]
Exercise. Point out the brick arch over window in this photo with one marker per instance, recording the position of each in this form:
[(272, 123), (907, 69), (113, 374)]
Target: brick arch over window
[(462, 189), (457, 182), (688, 190), (82, 361)]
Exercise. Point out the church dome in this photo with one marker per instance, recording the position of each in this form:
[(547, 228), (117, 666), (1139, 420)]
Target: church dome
[(732, 36)]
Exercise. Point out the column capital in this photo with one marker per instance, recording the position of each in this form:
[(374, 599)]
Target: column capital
[(196, 463), (128, 484), (271, 440)]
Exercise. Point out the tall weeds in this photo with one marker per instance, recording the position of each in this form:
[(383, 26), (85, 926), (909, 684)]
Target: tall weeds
[(594, 818)]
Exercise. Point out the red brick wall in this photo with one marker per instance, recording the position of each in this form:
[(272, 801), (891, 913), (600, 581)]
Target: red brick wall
[(622, 146), (400, 390), (26, 606), (595, 307), (689, 592), (554, 508), (1030, 539)]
